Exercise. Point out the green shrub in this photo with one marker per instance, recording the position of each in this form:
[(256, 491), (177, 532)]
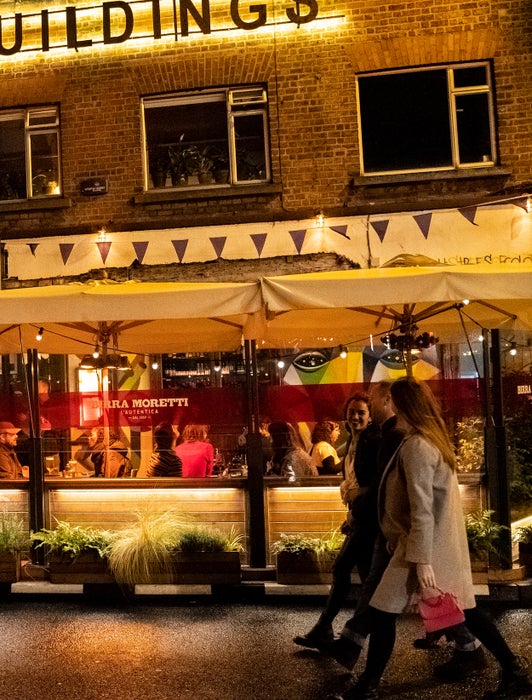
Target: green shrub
[(73, 540), (201, 539), (13, 535), (484, 535), (523, 534), (294, 543)]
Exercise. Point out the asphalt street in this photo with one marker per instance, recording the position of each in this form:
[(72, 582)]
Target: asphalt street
[(70, 648)]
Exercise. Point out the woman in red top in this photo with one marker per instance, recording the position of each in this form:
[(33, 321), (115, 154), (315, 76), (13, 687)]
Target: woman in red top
[(196, 454)]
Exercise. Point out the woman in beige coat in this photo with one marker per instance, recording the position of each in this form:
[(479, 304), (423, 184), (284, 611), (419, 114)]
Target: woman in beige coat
[(421, 517)]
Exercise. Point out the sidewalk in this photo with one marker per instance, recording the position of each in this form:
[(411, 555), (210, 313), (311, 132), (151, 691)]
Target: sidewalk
[(260, 585)]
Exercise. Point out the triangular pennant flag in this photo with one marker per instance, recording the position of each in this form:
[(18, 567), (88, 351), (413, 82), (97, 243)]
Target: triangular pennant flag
[(259, 239), (66, 249), (423, 221), (33, 247), (523, 202), (342, 230), (469, 213), (104, 247), (140, 249), (218, 244), (180, 247), (380, 228), (299, 238)]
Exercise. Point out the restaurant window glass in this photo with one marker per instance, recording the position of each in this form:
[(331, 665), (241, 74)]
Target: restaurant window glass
[(434, 118), (29, 153), (210, 138)]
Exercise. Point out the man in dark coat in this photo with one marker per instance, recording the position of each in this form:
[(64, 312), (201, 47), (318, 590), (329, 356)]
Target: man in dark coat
[(10, 467)]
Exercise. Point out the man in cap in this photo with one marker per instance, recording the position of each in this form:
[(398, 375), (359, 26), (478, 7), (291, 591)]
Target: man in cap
[(10, 467)]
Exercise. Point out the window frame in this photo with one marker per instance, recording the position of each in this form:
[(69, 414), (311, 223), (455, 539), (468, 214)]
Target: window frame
[(26, 115), (254, 102), (453, 92)]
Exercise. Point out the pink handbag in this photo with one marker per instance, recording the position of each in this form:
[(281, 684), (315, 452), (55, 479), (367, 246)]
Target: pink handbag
[(439, 610)]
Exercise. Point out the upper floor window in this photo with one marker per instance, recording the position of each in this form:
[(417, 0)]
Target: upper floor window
[(206, 138), (435, 118), (29, 153)]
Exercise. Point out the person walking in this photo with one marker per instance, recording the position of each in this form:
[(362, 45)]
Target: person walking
[(359, 470), (420, 515)]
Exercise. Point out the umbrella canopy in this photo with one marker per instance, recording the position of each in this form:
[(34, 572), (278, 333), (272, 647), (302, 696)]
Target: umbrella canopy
[(137, 317), (348, 307)]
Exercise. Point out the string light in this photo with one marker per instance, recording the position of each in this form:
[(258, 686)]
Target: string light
[(155, 365), (217, 366), (343, 352), (96, 352), (513, 349), (40, 334), (280, 363)]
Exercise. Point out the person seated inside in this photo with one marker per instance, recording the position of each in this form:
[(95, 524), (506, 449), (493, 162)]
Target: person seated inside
[(195, 452), (163, 460), (324, 456), (93, 456), (288, 455), (10, 467)]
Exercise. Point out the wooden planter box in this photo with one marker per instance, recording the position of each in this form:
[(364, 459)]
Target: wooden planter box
[(88, 567), (295, 568), (479, 571), (9, 567), (202, 567), (525, 556)]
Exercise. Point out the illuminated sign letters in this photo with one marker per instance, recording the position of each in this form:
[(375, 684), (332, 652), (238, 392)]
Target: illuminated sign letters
[(117, 21)]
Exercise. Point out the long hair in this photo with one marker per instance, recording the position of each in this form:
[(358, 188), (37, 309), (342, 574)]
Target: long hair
[(416, 402), (194, 432), (323, 431)]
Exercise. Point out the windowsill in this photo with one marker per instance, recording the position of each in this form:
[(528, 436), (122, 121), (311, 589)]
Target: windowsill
[(171, 194), (35, 204), (406, 178)]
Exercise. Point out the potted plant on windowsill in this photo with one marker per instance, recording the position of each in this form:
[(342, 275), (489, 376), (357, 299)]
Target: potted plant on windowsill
[(76, 554), (14, 539), (306, 560), (159, 165), (183, 162), (523, 537), (220, 167)]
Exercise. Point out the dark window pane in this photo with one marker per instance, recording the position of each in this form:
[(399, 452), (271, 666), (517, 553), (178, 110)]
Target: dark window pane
[(472, 116), (468, 77), (250, 147), (405, 121), (12, 159)]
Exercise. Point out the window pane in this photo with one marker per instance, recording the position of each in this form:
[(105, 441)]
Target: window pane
[(250, 146), (472, 116), (44, 164), (189, 130), (469, 77), (12, 159), (405, 121)]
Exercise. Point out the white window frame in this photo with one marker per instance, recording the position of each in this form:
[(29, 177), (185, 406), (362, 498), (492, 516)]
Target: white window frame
[(52, 127), (453, 92), (240, 102)]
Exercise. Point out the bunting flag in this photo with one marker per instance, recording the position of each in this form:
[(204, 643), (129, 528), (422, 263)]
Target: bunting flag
[(299, 238), (523, 202), (259, 239), (180, 247), (33, 247), (342, 230), (423, 221), (140, 249), (104, 247), (218, 244), (380, 228), (66, 249), (469, 213)]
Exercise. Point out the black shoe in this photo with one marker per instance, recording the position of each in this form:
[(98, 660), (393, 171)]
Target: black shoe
[(364, 689), (515, 682), (320, 637), (345, 652), (461, 665), (429, 641)]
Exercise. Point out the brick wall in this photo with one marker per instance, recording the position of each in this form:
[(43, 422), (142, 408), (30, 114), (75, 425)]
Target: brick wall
[(310, 74)]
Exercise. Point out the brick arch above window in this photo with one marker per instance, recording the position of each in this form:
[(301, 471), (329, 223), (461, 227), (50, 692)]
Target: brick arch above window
[(25, 91), (183, 75), (399, 52)]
